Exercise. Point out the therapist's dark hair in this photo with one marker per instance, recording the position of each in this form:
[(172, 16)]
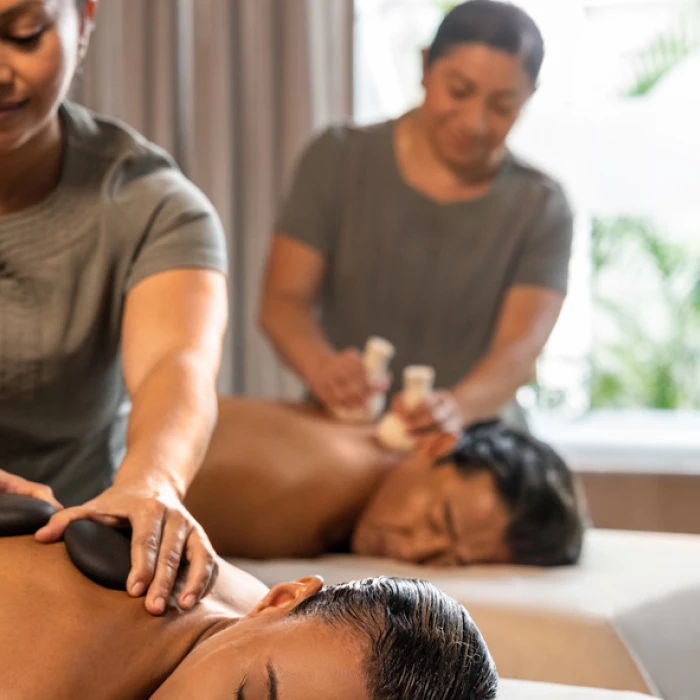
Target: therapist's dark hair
[(499, 25), (547, 519)]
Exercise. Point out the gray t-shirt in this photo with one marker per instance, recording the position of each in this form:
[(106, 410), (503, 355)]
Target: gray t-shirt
[(429, 277), (122, 211)]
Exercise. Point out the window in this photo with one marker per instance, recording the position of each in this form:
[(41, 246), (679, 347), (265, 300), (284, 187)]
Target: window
[(617, 120)]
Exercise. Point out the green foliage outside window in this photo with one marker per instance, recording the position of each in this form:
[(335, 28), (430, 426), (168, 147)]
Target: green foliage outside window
[(646, 328)]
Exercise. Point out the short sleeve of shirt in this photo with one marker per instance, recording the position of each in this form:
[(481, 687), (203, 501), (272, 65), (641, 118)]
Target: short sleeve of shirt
[(544, 257), (179, 228), (310, 209)]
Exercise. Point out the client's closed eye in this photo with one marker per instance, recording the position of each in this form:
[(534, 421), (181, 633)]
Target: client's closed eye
[(272, 685), (449, 521)]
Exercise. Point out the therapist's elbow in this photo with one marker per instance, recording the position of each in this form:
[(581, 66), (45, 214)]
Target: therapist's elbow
[(524, 356), (528, 373), (273, 310)]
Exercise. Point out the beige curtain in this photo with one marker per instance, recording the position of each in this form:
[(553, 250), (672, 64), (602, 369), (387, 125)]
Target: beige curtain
[(233, 89)]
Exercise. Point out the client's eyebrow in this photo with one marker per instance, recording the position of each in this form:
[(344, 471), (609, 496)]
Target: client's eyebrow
[(272, 678)]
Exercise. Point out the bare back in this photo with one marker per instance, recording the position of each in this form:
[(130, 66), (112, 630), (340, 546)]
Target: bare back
[(283, 479), (63, 636)]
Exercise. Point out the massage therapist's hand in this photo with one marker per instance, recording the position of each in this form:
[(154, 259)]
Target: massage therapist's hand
[(440, 414), (163, 535), (11, 483), (341, 381)]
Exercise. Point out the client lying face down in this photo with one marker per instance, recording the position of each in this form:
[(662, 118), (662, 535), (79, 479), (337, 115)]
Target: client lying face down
[(64, 636), (496, 495), (282, 480)]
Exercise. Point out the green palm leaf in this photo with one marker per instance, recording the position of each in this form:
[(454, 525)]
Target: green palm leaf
[(666, 50)]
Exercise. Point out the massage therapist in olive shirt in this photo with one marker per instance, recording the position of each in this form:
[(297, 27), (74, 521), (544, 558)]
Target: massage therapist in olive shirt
[(428, 231), (113, 308)]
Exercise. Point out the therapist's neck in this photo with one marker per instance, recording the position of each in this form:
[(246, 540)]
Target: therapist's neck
[(477, 174), (29, 173)]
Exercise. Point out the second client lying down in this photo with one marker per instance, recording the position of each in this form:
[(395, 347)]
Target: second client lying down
[(285, 480), (63, 636)]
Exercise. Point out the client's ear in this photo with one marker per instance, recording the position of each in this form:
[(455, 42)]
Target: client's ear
[(438, 447), (286, 596), (425, 66)]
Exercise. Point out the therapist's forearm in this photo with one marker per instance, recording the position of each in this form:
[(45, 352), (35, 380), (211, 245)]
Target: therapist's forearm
[(495, 380), (296, 335), (173, 415)]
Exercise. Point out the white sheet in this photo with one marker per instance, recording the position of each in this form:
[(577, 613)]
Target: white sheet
[(627, 618), (523, 690)]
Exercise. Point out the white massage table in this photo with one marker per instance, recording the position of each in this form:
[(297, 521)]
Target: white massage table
[(525, 690), (626, 618)]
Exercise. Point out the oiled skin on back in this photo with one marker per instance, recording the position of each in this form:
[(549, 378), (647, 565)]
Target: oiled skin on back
[(284, 480), (64, 637)]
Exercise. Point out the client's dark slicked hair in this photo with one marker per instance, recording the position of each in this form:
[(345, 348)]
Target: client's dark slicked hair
[(421, 644), (547, 514)]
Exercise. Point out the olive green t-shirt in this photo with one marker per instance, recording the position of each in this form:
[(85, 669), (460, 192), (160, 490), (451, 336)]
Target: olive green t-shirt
[(429, 277), (122, 211)]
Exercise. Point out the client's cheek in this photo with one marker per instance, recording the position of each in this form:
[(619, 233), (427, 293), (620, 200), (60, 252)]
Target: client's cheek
[(385, 511), (374, 540), (362, 542), (203, 685), (404, 502), (418, 547)]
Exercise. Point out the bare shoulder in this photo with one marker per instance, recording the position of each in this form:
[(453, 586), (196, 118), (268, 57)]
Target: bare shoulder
[(235, 590)]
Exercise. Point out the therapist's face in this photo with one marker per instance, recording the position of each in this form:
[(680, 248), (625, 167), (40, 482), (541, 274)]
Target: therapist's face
[(473, 96), (41, 44)]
